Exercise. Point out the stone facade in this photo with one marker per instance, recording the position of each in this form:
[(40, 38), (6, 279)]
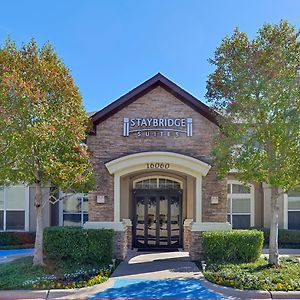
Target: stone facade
[(195, 247), (122, 243), (186, 238), (109, 144)]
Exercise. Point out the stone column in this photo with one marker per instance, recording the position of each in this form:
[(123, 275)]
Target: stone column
[(186, 234), (195, 248)]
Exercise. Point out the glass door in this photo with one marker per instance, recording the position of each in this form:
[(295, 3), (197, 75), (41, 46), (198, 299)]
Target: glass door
[(157, 218)]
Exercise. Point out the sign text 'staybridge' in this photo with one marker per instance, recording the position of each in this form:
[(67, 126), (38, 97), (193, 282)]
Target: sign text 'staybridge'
[(158, 126)]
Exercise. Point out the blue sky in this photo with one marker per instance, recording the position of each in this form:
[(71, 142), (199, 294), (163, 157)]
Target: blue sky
[(114, 45)]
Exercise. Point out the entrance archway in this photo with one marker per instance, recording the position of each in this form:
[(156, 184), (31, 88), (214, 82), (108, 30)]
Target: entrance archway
[(158, 161)]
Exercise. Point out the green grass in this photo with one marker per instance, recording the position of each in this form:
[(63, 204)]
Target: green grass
[(258, 275), (15, 273)]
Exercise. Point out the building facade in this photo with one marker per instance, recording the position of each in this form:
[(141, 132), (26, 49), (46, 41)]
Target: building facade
[(155, 183)]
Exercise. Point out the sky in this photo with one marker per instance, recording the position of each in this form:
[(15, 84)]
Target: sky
[(111, 46)]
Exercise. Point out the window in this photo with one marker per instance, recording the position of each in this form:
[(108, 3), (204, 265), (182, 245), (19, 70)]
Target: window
[(294, 210), (13, 208), (157, 183), (74, 210), (239, 205)]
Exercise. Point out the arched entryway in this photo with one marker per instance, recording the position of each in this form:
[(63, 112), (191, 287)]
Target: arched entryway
[(157, 191)]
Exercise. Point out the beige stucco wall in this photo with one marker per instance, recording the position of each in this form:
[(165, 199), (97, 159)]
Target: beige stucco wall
[(46, 210), (267, 207)]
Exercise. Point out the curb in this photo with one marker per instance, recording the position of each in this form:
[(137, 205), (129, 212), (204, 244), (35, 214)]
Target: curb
[(285, 295), (224, 291), (248, 294), (236, 293)]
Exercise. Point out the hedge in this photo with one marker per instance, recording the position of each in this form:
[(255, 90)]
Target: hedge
[(232, 246), (8, 238), (78, 246), (286, 237)]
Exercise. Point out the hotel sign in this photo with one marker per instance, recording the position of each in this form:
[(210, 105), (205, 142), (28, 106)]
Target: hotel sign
[(154, 127)]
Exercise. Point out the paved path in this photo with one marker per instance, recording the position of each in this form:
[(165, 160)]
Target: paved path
[(157, 265)]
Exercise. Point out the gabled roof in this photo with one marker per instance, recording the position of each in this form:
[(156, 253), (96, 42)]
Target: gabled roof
[(144, 88)]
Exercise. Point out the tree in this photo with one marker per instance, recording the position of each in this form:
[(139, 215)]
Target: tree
[(256, 88), (42, 126)]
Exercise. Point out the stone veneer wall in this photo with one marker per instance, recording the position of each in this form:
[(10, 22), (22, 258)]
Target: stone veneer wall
[(109, 144), (122, 242), (195, 248)]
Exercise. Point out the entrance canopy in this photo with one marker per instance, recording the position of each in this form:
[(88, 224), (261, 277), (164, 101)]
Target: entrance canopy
[(164, 161), (157, 161)]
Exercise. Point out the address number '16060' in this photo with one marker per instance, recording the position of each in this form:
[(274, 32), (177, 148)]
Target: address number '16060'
[(158, 166)]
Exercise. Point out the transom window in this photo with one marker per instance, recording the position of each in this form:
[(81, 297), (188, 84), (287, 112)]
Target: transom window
[(294, 210), (13, 202), (157, 183), (239, 205)]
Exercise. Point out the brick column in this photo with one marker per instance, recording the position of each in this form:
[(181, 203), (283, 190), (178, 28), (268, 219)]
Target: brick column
[(195, 249), (129, 237), (186, 234), (120, 245)]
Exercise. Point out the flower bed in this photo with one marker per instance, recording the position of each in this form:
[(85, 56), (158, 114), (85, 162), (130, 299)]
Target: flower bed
[(257, 275), (78, 279), (21, 274)]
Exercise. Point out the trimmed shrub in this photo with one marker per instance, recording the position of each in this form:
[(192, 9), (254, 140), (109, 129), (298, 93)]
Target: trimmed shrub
[(78, 246), (8, 238), (232, 246), (289, 237), (286, 238)]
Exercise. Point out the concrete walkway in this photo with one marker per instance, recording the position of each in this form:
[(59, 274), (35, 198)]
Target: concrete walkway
[(157, 265)]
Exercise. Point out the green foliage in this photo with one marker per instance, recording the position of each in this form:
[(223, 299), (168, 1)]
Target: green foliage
[(8, 239), (78, 246), (232, 246), (42, 122), (21, 274), (256, 86), (286, 238), (13, 274), (258, 275)]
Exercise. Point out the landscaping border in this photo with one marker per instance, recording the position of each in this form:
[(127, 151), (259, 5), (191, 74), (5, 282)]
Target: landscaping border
[(84, 292), (249, 294)]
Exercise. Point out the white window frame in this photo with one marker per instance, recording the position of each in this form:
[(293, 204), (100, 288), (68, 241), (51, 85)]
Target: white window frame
[(287, 210), (62, 213), (26, 208), (157, 180), (230, 196)]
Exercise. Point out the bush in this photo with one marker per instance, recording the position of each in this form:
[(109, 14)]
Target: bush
[(286, 238), (78, 246), (289, 237), (232, 246), (8, 239)]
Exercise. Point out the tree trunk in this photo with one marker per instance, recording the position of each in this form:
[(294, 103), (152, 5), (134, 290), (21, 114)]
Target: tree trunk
[(38, 258), (273, 242)]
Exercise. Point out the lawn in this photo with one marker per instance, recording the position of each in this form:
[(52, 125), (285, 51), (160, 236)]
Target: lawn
[(21, 274), (257, 275)]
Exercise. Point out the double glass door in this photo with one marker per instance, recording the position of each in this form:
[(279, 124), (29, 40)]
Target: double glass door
[(158, 220)]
